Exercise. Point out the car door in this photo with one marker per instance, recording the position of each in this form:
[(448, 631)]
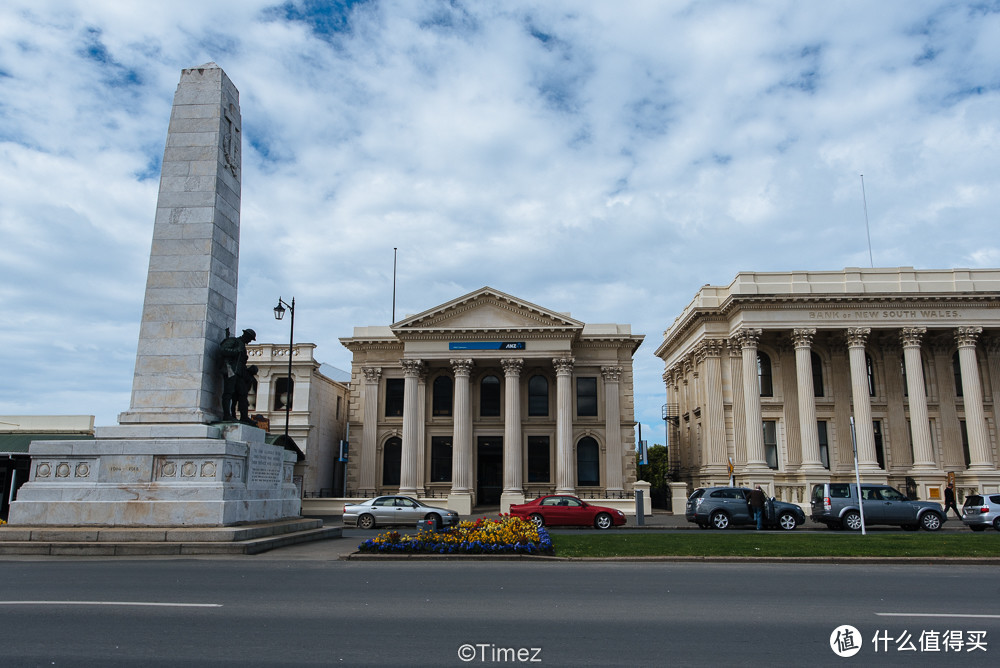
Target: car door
[(576, 513), (383, 510), (874, 505), (554, 510), (407, 512), (896, 508)]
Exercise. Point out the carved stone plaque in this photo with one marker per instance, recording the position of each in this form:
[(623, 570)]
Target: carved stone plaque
[(264, 464)]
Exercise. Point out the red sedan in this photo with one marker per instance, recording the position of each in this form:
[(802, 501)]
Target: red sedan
[(565, 510)]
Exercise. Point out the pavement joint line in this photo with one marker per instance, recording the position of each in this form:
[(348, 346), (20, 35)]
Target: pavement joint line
[(935, 614), (120, 603)]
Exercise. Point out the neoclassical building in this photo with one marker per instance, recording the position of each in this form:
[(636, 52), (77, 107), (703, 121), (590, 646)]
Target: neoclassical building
[(316, 404), (769, 371), (488, 399)]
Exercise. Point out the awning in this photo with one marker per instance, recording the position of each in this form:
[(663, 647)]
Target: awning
[(287, 443), (17, 443)]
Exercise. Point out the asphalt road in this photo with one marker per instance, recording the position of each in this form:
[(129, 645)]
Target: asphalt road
[(292, 611)]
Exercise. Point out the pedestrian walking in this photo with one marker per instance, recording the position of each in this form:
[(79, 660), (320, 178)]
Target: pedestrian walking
[(949, 499), (757, 501)]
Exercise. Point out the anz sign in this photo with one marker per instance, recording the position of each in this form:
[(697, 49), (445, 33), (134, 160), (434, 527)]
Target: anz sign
[(486, 345)]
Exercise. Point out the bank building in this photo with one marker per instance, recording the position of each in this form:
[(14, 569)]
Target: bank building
[(765, 375), (488, 400)]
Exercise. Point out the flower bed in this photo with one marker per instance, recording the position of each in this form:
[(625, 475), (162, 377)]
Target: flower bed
[(506, 535)]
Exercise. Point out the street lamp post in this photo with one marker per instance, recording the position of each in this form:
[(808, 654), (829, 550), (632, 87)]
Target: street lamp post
[(279, 313)]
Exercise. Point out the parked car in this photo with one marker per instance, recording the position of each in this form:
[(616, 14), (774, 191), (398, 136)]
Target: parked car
[(835, 504), (980, 511), (725, 507), (566, 510), (384, 510)]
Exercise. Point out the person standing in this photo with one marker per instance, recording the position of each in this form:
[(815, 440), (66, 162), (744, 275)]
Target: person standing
[(757, 501), (949, 499)]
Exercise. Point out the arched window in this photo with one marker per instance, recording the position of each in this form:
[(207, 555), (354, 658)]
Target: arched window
[(538, 396), (817, 368), (489, 397), (441, 396), (870, 371), (956, 367), (392, 458), (588, 468), (764, 375), (283, 387)]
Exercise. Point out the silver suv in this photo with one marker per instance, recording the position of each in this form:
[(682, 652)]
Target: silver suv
[(981, 511), (835, 504)]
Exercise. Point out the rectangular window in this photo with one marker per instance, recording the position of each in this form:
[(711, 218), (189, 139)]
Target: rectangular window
[(538, 459), (440, 459), (586, 396), (394, 397), (824, 444), (879, 450), (338, 407), (771, 443), (965, 443)]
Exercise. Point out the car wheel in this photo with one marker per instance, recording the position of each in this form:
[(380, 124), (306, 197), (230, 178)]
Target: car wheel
[(978, 527), (366, 521), (537, 519), (434, 517), (787, 521), (852, 521), (603, 521), (720, 520), (996, 524), (930, 521)]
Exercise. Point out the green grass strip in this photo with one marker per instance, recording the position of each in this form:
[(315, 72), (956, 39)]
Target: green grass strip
[(811, 544)]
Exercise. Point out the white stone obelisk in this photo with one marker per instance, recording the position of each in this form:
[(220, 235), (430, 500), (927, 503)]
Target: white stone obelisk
[(194, 261)]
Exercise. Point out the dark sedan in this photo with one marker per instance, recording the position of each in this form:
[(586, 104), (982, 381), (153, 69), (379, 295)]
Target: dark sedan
[(565, 510)]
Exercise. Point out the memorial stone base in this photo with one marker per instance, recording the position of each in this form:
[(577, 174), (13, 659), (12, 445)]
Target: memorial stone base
[(159, 475)]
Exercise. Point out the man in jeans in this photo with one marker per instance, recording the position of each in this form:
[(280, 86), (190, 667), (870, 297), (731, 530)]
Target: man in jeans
[(757, 501)]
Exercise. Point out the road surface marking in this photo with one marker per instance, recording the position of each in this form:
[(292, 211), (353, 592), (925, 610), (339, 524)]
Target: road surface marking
[(131, 603), (934, 614)]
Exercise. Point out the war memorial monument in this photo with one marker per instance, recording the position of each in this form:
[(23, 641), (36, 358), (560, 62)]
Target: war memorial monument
[(173, 461)]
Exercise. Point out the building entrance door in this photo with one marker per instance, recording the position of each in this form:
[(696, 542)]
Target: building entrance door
[(489, 470)]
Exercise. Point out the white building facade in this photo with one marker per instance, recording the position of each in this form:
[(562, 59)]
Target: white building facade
[(316, 411), (486, 400), (767, 373)]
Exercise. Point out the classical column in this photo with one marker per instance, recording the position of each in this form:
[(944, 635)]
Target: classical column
[(715, 416), (564, 425), (369, 429), (857, 337), (751, 397), (920, 428), (421, 429), (512, 427), (613, 480), (972, 393), (461, 463), (739, 408), (808, 433), (413, 418)]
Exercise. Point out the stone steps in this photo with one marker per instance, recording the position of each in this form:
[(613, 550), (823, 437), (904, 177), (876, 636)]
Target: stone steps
[(127, 541)]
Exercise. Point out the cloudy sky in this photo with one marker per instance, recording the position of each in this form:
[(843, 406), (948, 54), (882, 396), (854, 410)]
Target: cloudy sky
[(601, 158)]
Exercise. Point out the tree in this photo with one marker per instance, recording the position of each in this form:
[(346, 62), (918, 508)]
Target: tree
[(655, 473)]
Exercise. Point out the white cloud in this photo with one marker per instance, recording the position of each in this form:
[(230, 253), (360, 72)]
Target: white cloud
[(605, 159)]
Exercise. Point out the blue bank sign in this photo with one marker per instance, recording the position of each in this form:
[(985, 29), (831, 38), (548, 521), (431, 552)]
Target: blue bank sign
[(486, 345)]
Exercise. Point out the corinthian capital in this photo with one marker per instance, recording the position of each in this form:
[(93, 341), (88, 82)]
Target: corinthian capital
[(748, 337), (857, 337), (803, 338), (563, 365), (966, 337), (461, 367), (612, 374), (911, 337), (412, 368), (372, 373), (512, 366)]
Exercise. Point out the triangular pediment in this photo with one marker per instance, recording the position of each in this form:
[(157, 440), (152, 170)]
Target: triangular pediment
[(486, 309)]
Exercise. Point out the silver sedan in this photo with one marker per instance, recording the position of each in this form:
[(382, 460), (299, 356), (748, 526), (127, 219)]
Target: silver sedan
[(396, 510)]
